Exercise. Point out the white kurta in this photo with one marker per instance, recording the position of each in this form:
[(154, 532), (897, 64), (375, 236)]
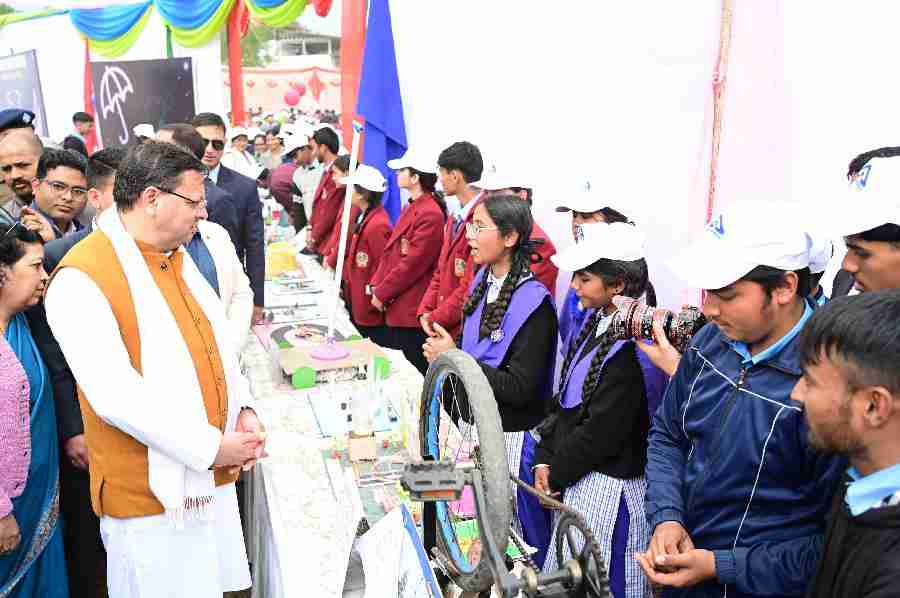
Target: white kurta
[(145, 555)]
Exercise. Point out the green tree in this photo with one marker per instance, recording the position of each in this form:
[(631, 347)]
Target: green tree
[(6, 9), (253, 46)]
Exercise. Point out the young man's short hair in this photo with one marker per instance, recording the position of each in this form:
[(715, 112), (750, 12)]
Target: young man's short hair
[(327, 137), (861, 335), (186, 137), (102, 166), (56, 158), (82, 117), (71, 142), (770, 278), (464, 157), (887, 233), (208, 119)]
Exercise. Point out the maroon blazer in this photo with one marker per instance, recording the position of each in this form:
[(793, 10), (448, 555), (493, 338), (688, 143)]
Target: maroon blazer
[(326, 203), (545, 271), (449, 287), (409, 260), (366, 248), (281, 184), (329, 249)]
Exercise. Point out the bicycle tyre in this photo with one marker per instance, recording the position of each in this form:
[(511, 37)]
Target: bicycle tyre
[(492, 450)]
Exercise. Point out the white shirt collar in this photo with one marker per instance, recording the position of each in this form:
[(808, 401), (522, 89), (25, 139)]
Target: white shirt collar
[(603, 324), (463, 211), (494, 285), (214, 174)]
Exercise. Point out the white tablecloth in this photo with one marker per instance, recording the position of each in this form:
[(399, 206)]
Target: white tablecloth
[(304, 508)]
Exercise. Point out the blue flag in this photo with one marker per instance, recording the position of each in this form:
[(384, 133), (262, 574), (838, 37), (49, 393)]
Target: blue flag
[(380, 103)]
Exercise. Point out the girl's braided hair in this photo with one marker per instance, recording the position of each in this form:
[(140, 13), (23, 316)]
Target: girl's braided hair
[(511, 215), (633, 275)]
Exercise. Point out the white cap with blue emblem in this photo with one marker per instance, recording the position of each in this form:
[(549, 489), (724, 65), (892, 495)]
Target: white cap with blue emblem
[(741, 237), (872, 200)]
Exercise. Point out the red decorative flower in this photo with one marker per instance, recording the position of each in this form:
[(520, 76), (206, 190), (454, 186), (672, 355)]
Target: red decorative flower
[(323, 7), (315, 85)]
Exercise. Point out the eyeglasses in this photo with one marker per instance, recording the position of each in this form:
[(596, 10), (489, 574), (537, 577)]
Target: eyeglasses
[(217, 144), (59, 188), (473, 228), (191, 203)]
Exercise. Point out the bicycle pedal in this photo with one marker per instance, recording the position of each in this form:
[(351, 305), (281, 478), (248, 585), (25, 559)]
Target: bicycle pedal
[(432, 481)]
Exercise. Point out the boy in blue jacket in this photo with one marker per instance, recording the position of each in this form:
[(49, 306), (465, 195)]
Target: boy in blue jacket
[(736, 497)]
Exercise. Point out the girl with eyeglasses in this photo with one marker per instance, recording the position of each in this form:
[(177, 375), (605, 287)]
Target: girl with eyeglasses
[(509, 327)]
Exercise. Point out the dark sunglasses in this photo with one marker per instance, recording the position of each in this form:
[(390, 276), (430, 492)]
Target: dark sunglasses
[(217, 144)]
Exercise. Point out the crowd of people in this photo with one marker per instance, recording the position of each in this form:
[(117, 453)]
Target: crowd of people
[(762, 460)]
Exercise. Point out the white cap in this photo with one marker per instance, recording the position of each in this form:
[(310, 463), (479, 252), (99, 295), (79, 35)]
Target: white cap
[(617, 241), (872, 199), (745, 235), (144, 130), (297, 129), (417, 159), (494, 179), (588, 198), (366, 177), (820, 253), (294, 142), (237, 132), (254, 170)]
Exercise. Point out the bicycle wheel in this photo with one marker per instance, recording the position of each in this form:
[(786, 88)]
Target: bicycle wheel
[(457, 395)]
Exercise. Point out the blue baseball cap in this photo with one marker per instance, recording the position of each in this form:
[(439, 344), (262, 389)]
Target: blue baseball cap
[(16, 118)]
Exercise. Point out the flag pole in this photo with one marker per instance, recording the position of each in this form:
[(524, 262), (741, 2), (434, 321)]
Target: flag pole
[(330, 351)]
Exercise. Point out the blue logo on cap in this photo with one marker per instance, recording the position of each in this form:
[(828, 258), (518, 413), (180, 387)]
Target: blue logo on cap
[(717, 226), (579, 233), (861, 178)]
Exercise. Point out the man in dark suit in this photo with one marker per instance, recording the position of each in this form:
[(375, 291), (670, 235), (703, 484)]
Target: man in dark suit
[(251, 237), (220, 206), (81, 534)]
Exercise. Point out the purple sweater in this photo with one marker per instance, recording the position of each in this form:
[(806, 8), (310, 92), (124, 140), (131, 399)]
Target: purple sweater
[(15, 433)]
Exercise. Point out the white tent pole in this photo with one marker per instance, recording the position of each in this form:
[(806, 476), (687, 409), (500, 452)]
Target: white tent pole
[(345, 225)]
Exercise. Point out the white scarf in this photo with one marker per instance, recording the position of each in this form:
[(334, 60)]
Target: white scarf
[(167, 366)]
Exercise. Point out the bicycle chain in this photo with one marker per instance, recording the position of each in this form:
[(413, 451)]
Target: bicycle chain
[(527, 557), (590, 542)]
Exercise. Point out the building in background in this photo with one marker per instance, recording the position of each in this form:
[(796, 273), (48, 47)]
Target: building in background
[(299, 46)]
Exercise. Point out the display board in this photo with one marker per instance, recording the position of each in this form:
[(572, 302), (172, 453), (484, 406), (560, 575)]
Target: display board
[(132, 92), (20, 87)]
